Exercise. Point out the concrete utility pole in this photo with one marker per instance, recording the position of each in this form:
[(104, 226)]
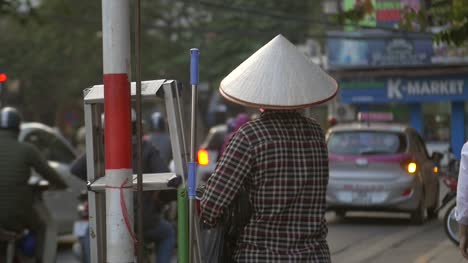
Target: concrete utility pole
[(117, 131)]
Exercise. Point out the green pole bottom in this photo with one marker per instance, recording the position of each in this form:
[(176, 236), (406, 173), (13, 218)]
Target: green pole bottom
[(182, 226)]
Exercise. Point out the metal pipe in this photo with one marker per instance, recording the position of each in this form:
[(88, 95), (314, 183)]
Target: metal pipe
[(193, 124), (192, 183), (118, 146), (139, 131)]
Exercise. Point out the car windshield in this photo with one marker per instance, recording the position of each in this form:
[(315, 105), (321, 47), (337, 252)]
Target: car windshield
[(366, 143)]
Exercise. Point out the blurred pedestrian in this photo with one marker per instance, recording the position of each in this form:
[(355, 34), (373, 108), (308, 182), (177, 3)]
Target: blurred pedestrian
[(461, 214), (279, 159), (19, 209), (160, 138)]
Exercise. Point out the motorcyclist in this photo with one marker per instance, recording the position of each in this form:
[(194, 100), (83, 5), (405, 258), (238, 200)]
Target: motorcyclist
[(19, 209), (156, 228), (160, 138)]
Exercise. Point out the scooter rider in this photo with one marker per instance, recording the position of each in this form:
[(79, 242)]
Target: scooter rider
[(160, 138), (156, 228), (19, 210)]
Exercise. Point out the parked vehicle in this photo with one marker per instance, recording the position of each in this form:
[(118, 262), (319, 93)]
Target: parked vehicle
[(59, 153), (381, 166)]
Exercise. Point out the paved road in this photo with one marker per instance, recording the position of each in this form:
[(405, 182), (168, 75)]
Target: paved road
[(384, 238), (378, 238)]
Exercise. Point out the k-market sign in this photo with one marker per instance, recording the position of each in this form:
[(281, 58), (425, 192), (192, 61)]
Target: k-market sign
[(402, 89), (398, 88)]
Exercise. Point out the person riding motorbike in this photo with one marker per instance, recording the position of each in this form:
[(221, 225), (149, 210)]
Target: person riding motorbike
[(156, 228), (19, 209), (160, 138)]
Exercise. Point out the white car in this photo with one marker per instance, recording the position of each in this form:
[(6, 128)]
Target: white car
[(59, 153)]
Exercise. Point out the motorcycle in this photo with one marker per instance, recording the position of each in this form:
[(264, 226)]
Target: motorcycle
[(81, 229), (450, 223), (450, 180), (21, 246)]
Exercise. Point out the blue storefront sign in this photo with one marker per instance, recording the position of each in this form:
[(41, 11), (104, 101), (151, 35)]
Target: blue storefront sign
[(404, 89), (413, 91), (374, 49)]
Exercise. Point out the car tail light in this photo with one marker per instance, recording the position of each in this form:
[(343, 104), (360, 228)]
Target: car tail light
[(203, 159), (410, 166), (407, 192)]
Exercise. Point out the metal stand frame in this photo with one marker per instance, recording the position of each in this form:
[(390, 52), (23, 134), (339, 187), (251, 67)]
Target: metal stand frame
[(166, 91)]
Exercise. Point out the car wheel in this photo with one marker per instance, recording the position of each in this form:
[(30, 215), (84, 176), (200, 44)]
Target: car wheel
[(419, 215), (432, 211)]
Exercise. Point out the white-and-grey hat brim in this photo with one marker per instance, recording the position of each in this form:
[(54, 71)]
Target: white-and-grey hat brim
[(278, 76)]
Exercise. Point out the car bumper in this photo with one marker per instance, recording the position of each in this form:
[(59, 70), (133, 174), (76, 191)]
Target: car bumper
[(400, 195)]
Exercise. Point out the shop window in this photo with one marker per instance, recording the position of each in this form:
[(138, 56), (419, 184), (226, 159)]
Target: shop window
[(436, 121)]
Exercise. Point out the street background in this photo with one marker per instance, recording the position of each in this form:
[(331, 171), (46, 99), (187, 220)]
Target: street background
[(375, 238)]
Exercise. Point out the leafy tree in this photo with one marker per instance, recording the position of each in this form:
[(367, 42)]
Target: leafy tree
[(56, 51), (52, 56), (451, 15)]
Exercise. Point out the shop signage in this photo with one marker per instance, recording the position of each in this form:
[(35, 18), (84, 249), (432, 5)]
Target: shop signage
[(404, 89), (374, 49)]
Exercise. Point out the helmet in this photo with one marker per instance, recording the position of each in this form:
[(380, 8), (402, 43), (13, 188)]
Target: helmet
[(157, 121), (10, 118)]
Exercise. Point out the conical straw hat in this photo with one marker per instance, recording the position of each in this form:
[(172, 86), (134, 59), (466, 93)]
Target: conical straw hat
[(278, 76)]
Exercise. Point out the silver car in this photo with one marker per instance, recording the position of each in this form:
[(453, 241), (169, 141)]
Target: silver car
[(59, 154), (381, 167)]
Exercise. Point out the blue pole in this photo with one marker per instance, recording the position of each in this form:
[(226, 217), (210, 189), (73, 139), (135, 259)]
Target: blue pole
[(416, 117), (194, 231), (457, 127), (363, 108), (194, 74)]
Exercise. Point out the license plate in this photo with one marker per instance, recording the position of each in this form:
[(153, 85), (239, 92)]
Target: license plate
[(362, 197), (80, 228)]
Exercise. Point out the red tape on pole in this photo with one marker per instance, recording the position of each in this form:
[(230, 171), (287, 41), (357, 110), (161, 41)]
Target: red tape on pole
[(117, 122)]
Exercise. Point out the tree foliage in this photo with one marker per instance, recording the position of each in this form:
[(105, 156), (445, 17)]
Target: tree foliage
[(450, 15), (53, 50)]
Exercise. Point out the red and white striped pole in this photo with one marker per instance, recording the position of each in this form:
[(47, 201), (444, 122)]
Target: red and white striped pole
[(117, 130)]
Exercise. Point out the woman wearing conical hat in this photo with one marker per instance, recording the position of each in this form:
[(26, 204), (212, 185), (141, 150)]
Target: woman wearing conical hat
[(280, 159)]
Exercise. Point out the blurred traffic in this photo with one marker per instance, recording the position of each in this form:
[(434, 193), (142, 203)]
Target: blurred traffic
[(394, 129)]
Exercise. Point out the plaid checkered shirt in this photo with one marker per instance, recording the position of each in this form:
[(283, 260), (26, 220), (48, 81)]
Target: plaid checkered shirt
[(281, 159)]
